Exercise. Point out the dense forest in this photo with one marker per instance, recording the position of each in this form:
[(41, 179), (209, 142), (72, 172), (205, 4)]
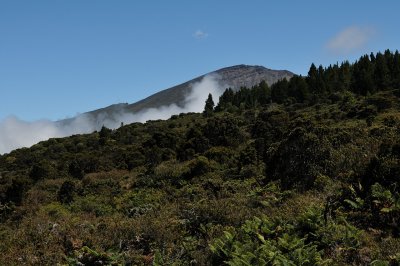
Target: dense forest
[(304, 172)]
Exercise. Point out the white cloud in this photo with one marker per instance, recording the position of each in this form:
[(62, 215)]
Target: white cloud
[(194, 101), (350, 39), (199, 34)]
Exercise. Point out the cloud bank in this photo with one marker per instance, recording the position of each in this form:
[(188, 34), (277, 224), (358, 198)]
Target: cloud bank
[(16, 133), (350, 39)]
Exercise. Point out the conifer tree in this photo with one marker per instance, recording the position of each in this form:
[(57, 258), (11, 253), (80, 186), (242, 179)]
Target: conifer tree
[(225, 100), (209, 107), (312, 78), (381, 72)]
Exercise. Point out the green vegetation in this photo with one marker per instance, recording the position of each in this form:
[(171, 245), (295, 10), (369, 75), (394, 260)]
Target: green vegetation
[(209, 107), (305, 172)]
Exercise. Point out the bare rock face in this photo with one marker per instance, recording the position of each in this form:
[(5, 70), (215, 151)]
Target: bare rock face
[(248, 76)]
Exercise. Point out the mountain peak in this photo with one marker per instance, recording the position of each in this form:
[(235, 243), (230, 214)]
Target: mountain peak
[(234, 77), (249, 75), (244, 66)]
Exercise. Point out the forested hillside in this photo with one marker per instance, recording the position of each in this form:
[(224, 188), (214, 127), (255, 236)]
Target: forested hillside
[(303, 172)]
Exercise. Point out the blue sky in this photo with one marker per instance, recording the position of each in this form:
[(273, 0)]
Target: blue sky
[(63, 57)]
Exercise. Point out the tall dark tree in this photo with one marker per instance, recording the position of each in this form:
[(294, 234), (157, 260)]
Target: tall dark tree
[(279, 91), (381, 72), (104, 135), (225, 100), (344, 76), (363, 76), (396, 70), (209, 107), (263, 93), (321, 82), (312, 78), (298, 89)]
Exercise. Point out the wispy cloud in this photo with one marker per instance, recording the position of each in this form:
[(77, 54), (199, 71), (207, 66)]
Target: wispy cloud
[(199, 34), (350, 39)]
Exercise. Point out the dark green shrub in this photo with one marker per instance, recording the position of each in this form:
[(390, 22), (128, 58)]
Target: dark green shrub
[(199, 166), (76, 170), (223, 131), (264, 242), (222, 155), (382, 101), (41, 170), (298, 160), (66, 192), (270, 124)]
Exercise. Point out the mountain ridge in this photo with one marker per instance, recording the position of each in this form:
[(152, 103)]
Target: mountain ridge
[(234, 76), (183, 98)]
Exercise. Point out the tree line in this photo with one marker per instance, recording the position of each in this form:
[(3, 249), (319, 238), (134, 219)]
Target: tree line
[(368, 75)]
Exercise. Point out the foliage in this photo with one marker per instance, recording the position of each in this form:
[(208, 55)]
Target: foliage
[(320, 155), (264, 242), (209, 107)]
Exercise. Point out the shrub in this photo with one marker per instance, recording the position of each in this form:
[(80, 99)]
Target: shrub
[(223, 131), (199, 166), (88, 256), (42, 170), (222, 155), (264, 242), (92, 204), (381, 100), (65, 194), (298, 160)]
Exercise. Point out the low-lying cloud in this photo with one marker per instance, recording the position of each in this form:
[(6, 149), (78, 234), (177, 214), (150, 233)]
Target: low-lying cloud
[(16, 133), (350, 39)]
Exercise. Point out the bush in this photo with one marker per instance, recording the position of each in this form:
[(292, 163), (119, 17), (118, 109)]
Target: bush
[(381, 100), (199, 166), (92, 204), (298, 160), (264, 242), (42, 170), (88, 256), (66, 192), (223, 131), (222, 155)]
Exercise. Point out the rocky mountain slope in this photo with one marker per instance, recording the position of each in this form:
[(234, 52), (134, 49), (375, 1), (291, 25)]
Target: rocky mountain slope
[(234, 77)]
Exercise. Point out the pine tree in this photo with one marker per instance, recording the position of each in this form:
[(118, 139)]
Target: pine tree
[(363, 80), (279, 91), (209, 107), (381, 72), (321, 84), (263, 94), (345, 75), (298, 88), (396, 70), (312, 78), (225, 100)]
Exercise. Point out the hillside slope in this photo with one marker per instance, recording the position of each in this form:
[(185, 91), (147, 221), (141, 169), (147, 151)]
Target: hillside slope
[(305, 172)]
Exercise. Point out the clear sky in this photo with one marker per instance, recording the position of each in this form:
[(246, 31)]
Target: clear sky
[(63, 57)]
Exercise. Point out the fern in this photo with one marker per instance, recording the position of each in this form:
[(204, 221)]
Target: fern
[(261, 241)]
